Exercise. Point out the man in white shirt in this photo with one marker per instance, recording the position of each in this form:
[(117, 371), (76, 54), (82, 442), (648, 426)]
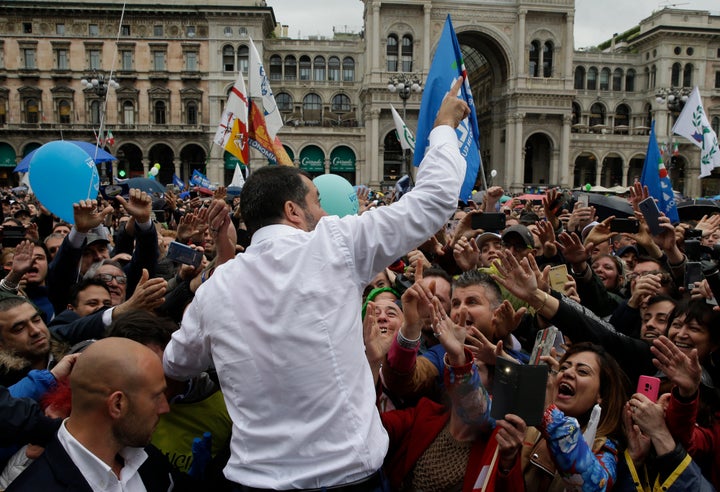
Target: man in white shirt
[(281, 322), (117, 398)]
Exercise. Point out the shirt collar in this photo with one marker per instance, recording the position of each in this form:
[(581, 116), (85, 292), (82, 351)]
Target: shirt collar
[(274, 230), (97, 473)]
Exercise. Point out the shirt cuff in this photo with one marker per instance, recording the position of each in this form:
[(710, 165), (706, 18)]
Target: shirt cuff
[(107, 316), (402, 359), (145, 226)]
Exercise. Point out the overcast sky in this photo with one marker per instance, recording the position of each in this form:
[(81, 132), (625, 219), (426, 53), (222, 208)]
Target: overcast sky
[(595, 21)]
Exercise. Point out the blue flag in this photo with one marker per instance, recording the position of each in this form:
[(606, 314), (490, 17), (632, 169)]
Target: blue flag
[(446, 67), (178, 182), (199, 179), (655, 177)]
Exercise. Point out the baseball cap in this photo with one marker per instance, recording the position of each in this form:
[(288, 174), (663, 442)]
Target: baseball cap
[(625, 249), (94, 238), (522, 232), (485, 237)]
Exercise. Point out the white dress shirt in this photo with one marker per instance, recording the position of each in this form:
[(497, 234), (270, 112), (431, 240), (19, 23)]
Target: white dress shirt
[(97, 473), (281, 324)]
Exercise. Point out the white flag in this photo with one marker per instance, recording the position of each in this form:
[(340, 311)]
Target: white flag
[(238, 178), (232, 132), (407, 139), (694, 125), (260, 87)]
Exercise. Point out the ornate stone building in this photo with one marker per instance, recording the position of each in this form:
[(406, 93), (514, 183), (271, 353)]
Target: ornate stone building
[(548, 114)]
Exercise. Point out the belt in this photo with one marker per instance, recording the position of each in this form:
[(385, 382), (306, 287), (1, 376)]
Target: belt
[(368, 484)]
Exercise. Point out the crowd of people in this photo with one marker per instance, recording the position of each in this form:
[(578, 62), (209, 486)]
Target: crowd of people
[(312, 352)]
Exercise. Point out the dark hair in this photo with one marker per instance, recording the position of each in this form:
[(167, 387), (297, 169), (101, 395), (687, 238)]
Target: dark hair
[(83, 284), (647, 259), (143, 327), (702, 312), (660, 298), (614, 389), (437, 272), (476, 277), (263, 197)]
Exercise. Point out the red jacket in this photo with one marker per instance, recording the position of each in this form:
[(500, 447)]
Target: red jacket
[(701, 443), (414, 429)]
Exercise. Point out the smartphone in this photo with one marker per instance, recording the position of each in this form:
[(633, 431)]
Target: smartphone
[(519, 389), (558, 277), (649, 386), (12, 236), (583, 200), (545, 340), (693, 273), (160, 215), (631, 226), (488, 221), (111, 191), (183, 253), (650, 211)]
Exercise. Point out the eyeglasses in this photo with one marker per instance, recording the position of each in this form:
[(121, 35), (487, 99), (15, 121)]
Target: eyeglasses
[(107, 278), (664, 277)]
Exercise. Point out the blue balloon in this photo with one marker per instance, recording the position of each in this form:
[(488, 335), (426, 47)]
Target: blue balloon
[(337, 196), (62, 174)]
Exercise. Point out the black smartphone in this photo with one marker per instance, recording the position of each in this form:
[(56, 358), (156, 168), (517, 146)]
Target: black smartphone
[(650, 211), (488, 221), (160, 215), (693, 273), (183, 253), (12, 236), (111, 191), (631, 226)]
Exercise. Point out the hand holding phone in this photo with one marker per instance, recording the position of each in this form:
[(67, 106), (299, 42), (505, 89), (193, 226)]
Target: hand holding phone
[(650, 211), (558, 277)]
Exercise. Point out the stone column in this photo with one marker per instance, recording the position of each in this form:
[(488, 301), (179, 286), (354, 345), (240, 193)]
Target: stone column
[(373, 160), (561, 175), (569, 50), (519, 162), (375, 41), (427, 9), (509, 168), (522, 62)]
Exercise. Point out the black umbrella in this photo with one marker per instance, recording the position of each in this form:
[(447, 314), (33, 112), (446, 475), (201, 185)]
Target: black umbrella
[(694, 209), (147, 185), (607, 205)]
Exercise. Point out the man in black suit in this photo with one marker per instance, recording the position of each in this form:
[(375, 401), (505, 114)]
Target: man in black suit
[(118, 396)]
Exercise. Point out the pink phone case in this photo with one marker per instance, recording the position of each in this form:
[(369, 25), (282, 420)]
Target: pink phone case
[(649, 386)]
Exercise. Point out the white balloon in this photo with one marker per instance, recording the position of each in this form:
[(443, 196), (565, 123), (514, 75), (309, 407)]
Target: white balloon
[(153, 171), (493, 173)]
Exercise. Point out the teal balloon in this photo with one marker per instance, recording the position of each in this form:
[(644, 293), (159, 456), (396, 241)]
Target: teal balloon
[(61, 174), (337, 195)]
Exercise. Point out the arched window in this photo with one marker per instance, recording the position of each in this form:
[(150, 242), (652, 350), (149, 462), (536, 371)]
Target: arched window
[(64, 111), (630, 81), (548, 49), (312, 109), (191, 113), (340, 103), (534, 57), (348, 69), (228, 58), (128, 113), (675, 75), (576, 113), (391, 53), (319, 69), (648, 115), (617, 79), (242, 59), (597, 114), (407, 53), (622, 115), (579, 78), (688, 75), (592, 79), (605, 79), (290, 68), (284, 102), (95, 113), (275, 67), (305, 67), (160, 110), (334, 69)]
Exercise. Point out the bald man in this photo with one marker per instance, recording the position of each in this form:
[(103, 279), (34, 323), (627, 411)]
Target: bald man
[(117, 398)]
